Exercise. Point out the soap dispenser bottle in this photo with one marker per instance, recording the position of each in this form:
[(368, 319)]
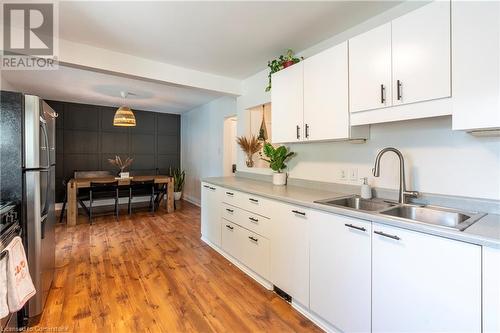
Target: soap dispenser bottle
[(366, 191)]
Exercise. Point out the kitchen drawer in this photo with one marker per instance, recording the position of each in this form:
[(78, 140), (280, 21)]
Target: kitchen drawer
[(232, 197), (232, 239), (256, 253), (248, 220), (255, 204)]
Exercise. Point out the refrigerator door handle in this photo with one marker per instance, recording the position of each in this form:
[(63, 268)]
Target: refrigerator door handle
[(45, 147)]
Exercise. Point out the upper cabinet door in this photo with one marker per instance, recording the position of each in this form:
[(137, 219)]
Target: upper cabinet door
[(287, 95), (326, 110), (476, 64), (370, 69), (421, 54)]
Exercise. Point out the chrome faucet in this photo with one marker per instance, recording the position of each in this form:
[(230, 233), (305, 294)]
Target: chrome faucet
[(402, 183)]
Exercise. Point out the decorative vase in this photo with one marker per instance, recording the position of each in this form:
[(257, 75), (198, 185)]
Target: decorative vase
[(288, 63), (249, 161), (279, 178), (177, 196)]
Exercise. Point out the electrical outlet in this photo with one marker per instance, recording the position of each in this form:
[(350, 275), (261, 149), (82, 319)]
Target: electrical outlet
[(353, 174), (342, 174)]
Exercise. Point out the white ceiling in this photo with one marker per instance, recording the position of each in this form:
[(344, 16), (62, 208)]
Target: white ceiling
[(83, 86), (228, 38)]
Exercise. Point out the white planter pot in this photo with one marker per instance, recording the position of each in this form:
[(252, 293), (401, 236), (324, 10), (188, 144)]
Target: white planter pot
[(177, 196), (124, 174), (279, 178)]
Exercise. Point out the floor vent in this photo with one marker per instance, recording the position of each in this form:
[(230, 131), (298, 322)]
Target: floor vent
[(283, 294)]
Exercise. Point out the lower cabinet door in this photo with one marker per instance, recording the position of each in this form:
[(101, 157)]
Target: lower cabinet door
[(256, 253), (424, 283), (231, 240), (341, 271)]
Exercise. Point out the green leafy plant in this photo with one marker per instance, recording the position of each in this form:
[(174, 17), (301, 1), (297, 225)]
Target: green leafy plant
[(276, 157), (283, 61), (179, 178)]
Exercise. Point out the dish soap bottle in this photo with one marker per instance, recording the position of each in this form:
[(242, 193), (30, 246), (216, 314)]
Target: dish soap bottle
[(366, 190)]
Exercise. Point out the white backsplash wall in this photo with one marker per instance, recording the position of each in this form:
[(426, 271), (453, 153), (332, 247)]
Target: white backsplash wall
[(438, 160)]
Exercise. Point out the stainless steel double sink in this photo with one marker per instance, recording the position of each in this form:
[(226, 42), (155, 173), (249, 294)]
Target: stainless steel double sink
[(439, 216)]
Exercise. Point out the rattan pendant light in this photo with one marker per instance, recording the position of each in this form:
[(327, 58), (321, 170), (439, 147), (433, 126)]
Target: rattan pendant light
[(124, 116)]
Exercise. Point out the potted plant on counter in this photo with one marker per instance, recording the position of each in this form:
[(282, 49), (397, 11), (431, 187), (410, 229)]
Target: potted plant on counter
[(179, 178), (250, 146), (276, 157), (283, 61)]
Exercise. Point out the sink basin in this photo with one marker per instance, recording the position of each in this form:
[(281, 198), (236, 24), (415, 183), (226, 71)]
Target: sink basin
[(440, 216), (357, 203)]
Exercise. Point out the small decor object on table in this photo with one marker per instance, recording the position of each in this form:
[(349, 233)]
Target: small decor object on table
[(250, 146), (179, 177), (284, 61), (276, 159), (122, 165)]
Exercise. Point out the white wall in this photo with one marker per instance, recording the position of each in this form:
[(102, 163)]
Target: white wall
[(202, 135)]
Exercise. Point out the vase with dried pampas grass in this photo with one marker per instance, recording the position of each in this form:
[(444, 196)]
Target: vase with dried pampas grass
[(122, 165), (250, 145)]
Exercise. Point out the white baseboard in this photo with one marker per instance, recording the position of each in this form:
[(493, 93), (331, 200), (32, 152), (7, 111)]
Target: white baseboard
[(306, 312), (262, 281), (192, 200), (107, 202)]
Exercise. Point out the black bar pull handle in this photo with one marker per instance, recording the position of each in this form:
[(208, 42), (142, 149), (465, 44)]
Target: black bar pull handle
[(298, 131), (253, 219), (399, 89), (354, 227), (206, 186), (230, 193), (386, 235), (253, 238), (253, 200), (307, 131), (382, 94), (229, 227), (212, 188), (298, 212), (230, 210)]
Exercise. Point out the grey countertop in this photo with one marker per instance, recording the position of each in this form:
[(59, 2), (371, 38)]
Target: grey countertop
[(485, 232)]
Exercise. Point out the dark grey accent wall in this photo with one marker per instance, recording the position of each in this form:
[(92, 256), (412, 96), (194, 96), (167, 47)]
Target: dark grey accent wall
[(86, 138)]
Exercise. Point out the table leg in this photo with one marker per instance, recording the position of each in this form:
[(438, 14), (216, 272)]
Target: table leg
[(72, 204), (170, 197)]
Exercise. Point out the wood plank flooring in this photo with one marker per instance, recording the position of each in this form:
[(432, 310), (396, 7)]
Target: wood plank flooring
[(152, 273)]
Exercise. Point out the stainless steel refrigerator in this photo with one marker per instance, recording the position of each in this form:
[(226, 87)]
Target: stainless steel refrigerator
[(39, 159)]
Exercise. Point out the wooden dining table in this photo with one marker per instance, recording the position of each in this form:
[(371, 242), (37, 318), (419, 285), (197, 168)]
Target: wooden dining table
[(76, 183)]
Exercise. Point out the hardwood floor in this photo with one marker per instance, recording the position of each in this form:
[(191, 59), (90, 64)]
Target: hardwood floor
[(152, 273)]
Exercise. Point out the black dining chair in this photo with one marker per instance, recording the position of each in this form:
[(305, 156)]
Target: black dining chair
[(65, 200), (103, 191), (142, 188), (83, 193)]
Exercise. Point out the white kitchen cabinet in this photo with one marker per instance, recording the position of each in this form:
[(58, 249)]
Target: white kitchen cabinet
[(491, 290), (290, 251), (424, 283), (370, 81), (326, 96), (341, 271), (255, 252), (211, 203), (287, 95), (476, 65), (231, 239), (421, 62)]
